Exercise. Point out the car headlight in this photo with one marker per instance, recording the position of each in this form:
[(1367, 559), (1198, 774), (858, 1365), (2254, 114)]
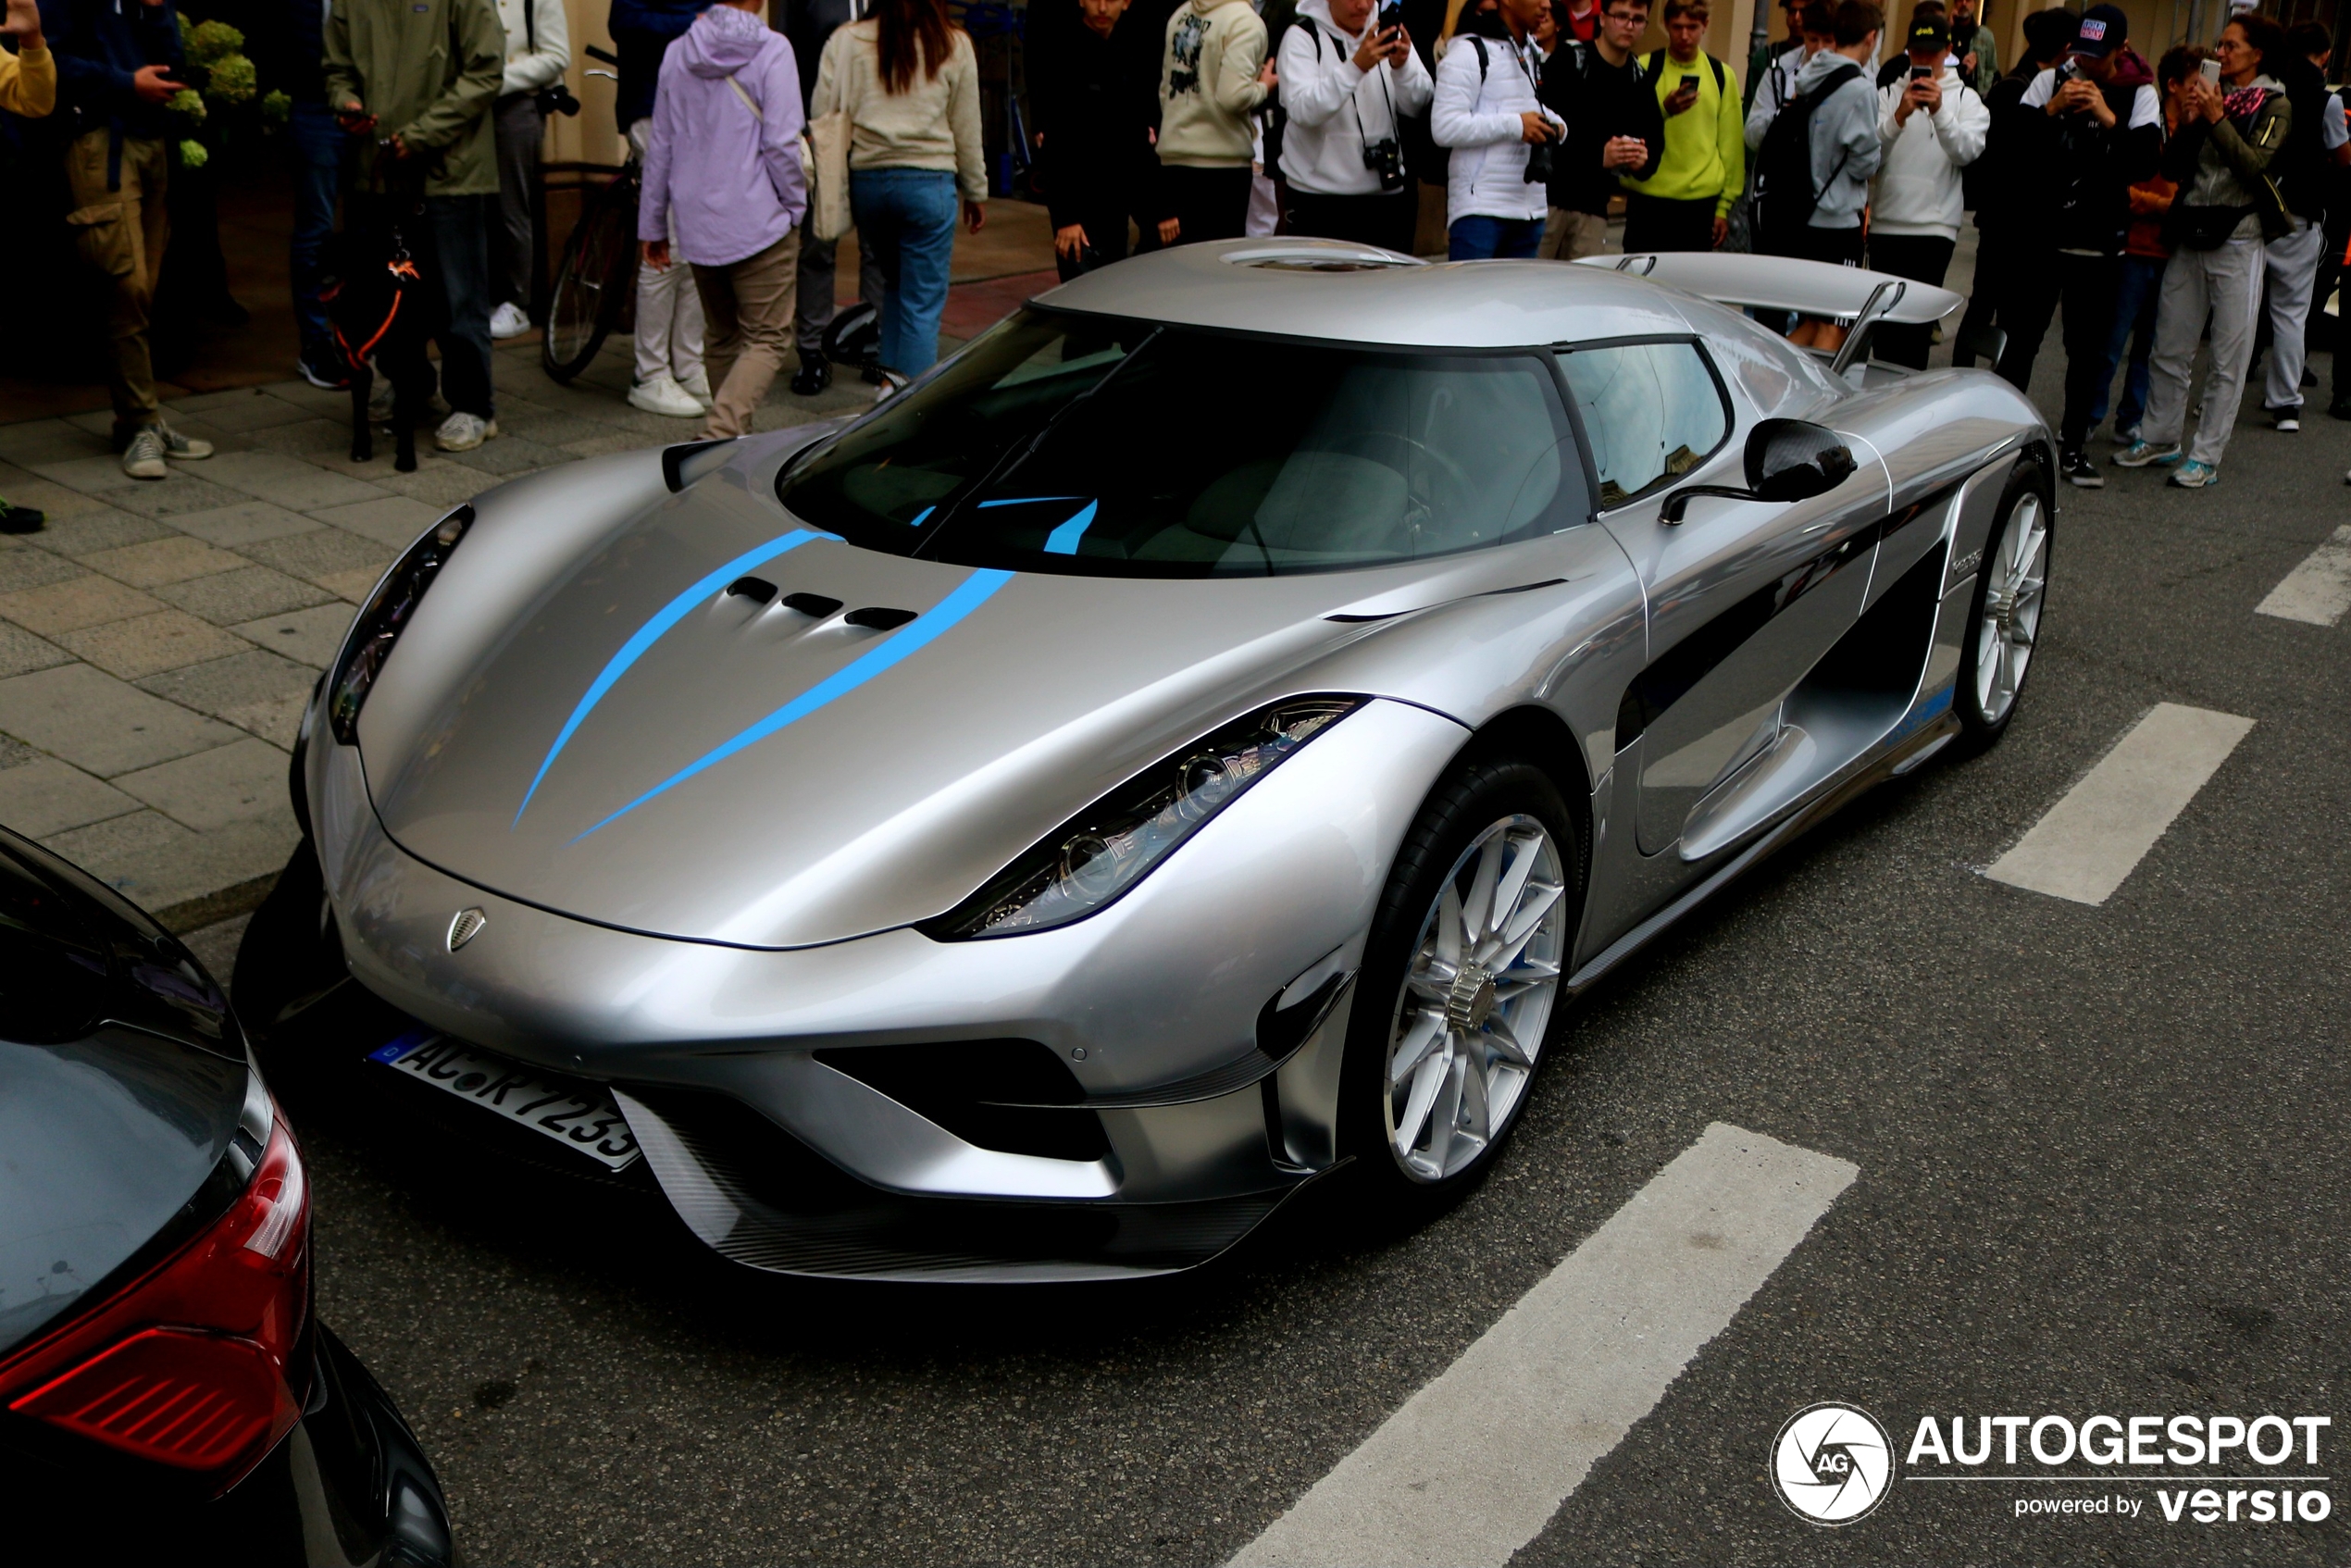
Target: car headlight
[(1090, 861), (389, 610)]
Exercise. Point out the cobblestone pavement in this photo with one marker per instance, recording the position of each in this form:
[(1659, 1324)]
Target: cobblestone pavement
[(159, 639)]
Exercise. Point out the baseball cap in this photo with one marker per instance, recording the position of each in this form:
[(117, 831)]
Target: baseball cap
[(1930, 32), (2103, 30)]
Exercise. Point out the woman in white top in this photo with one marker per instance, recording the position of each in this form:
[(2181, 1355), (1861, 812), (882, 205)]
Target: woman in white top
[(910, 81)]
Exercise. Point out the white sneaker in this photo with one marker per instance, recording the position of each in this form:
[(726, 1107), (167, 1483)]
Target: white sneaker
[(664, 395), (142, 459), (697, 385), (462, 432), (508, 321)]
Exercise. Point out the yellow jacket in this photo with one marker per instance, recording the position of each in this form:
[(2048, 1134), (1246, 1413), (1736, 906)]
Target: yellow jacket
[(28, 83)]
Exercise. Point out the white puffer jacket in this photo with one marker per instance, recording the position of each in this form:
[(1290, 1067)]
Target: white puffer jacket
[(1476, 113), (1917, 190), (1323, 146)]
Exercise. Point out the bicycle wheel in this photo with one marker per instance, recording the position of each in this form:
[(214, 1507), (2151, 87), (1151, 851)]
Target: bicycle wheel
[(596, 281)]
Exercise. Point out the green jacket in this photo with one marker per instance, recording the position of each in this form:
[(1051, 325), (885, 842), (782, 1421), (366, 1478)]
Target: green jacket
[(429, 69)]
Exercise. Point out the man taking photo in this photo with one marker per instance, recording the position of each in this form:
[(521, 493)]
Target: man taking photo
[(1488, 110), (1615, 131), (1347, 86), (1685, 205), (1931, 125)]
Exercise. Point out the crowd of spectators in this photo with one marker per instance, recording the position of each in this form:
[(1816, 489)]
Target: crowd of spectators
[(2151, 207)]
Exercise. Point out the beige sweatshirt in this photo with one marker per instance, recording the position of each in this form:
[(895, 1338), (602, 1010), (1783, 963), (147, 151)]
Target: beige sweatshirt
[(934, 124), (1208, 83)]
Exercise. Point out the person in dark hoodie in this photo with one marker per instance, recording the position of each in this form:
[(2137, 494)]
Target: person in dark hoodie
[(2013, 240), (1095, 111), (1615, 131), (809, 25), (115, 61), (2100, 132)]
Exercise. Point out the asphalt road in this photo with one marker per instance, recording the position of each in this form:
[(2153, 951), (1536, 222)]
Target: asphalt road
[(2100, 1153)]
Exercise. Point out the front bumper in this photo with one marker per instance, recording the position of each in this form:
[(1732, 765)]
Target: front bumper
[(1198, 1021)]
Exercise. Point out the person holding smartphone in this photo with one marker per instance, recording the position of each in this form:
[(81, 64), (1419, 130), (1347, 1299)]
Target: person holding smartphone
[(1615, 131), (1488, 109), (1685, 203), (1350, 79), (1931, 125)]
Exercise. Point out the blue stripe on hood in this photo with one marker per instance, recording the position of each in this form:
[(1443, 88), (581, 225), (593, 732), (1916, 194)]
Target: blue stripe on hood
[(917, 634), (650, 633)]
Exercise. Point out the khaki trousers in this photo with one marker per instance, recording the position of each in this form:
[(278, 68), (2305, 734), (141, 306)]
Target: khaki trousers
[(747, 311), (121, 235), (1569, 236)]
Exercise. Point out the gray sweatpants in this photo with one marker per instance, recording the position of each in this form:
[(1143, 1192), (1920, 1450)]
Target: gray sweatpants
[(2226, 283), (813, 306), (2293, 271), (518, 128)]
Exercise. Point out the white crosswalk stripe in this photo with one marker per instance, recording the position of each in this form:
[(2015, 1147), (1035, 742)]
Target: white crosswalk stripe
[(1473, 1465), (2318, 591), (2094, 838)]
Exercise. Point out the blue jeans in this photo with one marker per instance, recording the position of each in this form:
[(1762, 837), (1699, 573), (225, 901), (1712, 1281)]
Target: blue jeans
[(321, 154), (1505, 239), (2140, 285), (906, 217)]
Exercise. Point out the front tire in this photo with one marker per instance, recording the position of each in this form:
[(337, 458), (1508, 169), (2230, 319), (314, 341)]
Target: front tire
[(2005, 621), (1459, 995)]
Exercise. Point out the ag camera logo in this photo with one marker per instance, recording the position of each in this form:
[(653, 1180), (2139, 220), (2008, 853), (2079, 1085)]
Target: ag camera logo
[(1832, 1463)]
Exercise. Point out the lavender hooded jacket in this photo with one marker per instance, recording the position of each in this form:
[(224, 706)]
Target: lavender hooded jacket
[(734, 178)]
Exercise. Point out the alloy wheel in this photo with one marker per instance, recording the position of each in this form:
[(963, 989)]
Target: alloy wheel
[(2011, 617), (1476, 1001)]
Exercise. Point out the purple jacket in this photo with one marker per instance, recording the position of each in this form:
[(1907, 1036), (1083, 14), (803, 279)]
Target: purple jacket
[(733, 177)]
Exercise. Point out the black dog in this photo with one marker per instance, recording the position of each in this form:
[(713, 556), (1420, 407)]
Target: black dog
[(383, 307)]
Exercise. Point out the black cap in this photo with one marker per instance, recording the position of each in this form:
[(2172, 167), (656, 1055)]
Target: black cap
[(2103, 30), (1930, 32)]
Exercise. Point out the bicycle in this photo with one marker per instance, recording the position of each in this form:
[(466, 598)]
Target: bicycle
[(595, 285)]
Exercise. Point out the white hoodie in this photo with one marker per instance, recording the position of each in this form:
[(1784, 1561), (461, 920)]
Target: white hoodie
[(1478, 119), (1323, 147), (1917, 190)]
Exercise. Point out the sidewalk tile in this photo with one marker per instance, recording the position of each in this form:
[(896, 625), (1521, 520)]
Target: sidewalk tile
[(606, 444), (90, 475), (247, 594), (97, 422), (254, 691), (21, 652), (312, 636), (47, 796), (183, 491), (49, 441), (99, 724), (245, 782), (311, 438), (84, 600), (289, 481), (242, 523), (247, 408), (21, 568), (319, 554), (100, 527), (443, 483), (154, 862), (552, 428), (354, 586), (27, 488), (149, 644), (162, 560), (395, 520), (317, 400)]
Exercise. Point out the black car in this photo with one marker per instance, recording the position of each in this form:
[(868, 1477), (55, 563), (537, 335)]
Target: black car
[(165, 1388)]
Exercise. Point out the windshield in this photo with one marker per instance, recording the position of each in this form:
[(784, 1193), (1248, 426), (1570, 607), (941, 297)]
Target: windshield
[(1071, 444)]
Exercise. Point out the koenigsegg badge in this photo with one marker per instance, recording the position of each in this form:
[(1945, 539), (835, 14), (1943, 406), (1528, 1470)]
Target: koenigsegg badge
[(464, 925)]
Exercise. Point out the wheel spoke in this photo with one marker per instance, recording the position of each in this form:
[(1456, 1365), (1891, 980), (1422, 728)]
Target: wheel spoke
[(1450, 946), (1434, 1071), (1426, 1029), (1512, 887), (1506, 1044), (1432, 978), (1477, 909), (1476, 1116), (1539, 898)]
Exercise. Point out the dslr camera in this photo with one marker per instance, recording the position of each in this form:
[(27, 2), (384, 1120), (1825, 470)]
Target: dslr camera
[(1539, 158), (557, 100), (1384, 157)]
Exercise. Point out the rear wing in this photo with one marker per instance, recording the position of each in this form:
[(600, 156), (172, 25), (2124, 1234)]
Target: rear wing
[(1849, 294)]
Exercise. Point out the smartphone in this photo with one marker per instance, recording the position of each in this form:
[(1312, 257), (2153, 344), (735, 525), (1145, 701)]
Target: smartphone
[(1689, 85), (2210, 69), (1920, 73), (1390, 16)]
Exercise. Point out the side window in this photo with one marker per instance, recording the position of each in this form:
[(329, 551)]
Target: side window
[(1652, 412)]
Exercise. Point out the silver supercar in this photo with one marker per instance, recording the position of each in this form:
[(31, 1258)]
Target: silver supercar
[(1198, 738)]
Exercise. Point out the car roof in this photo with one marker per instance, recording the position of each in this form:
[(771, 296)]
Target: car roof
[(1326, 289)]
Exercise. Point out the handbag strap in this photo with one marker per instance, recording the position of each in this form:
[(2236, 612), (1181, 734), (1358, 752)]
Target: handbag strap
[(746, 98)]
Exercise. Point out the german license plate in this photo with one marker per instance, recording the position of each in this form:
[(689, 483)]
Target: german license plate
[(581, 1115)]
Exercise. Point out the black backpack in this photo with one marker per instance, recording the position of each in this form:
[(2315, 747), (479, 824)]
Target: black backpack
[(1784, 194)]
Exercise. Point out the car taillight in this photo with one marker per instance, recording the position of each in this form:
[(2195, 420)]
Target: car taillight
[(188, 1367)]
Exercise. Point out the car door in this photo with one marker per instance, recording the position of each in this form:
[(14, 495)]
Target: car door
[(1744, 596)]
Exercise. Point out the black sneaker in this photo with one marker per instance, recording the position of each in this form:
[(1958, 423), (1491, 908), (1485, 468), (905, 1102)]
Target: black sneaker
[(2341, 407), (19, 519), (2079, 470), (2286, 421), (324, 368), (814, 377)]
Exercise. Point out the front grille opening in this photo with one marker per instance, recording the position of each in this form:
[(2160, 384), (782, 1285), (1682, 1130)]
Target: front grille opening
[(1014, 1096)]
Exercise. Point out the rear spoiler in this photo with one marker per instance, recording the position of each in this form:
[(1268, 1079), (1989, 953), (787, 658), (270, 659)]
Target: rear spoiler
[(1809, 288)]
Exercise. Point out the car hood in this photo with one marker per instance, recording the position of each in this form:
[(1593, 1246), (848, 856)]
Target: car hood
[(640, 747)]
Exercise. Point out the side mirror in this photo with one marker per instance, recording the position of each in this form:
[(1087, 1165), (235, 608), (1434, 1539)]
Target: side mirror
[(1786, 460)]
